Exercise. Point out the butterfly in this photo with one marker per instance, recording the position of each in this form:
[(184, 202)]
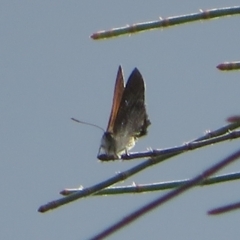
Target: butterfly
[(128, 120)]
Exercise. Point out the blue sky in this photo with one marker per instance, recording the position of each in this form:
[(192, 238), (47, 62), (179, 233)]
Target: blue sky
[(51, 71)]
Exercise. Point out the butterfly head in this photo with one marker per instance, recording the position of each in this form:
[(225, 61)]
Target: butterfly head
[(112, 147), (107, 150)]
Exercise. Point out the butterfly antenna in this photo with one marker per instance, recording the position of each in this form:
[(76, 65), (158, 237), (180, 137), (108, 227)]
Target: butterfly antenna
[(90, 124)]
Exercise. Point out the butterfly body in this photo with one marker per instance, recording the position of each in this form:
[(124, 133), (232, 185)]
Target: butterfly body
[(128, 119)]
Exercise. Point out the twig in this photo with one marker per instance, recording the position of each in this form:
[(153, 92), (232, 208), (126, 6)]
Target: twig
[(224, 209), (142, 188), (165, 198), (167, 22), (124, 175), (183, 148), (228, 66)]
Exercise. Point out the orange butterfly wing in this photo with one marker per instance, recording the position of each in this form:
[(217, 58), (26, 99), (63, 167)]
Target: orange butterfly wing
[(117, 96)]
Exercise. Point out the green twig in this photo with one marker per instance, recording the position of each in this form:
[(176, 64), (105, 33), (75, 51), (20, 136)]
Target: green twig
[(167, 22), (141, 188)]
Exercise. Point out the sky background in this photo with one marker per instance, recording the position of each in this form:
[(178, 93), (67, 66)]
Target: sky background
[(50, 71)]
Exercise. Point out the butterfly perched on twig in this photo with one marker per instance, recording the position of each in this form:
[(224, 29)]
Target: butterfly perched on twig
[(128, 120)]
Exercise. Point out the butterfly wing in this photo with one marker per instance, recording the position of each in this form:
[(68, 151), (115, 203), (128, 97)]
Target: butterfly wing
[(117, 96), (131, 120)]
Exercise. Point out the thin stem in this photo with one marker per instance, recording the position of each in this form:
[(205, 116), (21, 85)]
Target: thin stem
[(184, 147), (124, 175), (224, 209), (228, 66), (165, 198), (167, 22), (142, 188)]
